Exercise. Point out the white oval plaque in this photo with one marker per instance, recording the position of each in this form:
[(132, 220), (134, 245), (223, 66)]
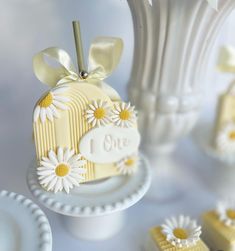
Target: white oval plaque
[(109, 144)]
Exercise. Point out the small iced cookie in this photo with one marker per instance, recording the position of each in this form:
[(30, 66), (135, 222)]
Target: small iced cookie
[(175, 234), (82, 135), (224, 129), (219, 227)]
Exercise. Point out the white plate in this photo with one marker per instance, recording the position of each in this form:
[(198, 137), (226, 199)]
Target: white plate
[(23, 225), (96, 198)]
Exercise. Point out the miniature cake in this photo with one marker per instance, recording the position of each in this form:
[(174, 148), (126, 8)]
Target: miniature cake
[(219, 227), (224, 137), (82, 130), (175, 234)]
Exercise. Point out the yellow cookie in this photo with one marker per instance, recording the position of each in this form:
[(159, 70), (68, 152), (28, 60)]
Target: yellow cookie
[(83, 122)]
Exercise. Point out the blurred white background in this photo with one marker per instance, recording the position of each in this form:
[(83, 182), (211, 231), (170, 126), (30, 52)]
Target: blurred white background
[(28, 26)]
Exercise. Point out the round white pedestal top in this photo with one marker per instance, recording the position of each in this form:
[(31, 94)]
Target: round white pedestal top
[(24, 227), (96, 198)]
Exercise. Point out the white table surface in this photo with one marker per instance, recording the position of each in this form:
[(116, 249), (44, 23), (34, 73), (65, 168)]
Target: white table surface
[(139, 218)]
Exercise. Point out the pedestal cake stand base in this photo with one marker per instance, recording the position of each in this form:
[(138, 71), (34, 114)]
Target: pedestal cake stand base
[(95, 211), (92, 228)]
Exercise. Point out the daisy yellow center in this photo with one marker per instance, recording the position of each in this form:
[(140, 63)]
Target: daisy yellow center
[(125, 115), (62, 170), (129, 162), (46, 101), (231, 214), (99, 113), (232, 135), (180, 233)]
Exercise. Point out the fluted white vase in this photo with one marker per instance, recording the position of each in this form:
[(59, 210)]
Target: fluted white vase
[(173, 39)]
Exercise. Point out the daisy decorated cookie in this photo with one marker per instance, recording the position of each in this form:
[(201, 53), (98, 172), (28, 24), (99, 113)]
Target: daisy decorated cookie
[(79, 124), (176, 233), (82, 129), (219, 226)]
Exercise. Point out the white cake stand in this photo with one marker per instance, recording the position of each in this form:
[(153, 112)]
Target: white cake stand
[(94, 211), (23, 225), (219, 169)]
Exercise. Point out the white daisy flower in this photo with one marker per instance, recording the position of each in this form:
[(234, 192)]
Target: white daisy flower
[(123, 115), (182, 231), (98, 113), (62, 171), (128, 165), (226, 212), (226, 139), (48, 106)]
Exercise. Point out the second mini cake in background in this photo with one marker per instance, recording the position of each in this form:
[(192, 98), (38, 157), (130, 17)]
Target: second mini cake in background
[(219, 226)]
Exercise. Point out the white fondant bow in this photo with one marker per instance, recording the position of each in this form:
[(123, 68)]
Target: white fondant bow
[(104, 56)]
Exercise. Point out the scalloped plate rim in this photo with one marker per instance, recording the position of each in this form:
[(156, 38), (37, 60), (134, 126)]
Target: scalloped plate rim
[(87, 211), (42, 224)]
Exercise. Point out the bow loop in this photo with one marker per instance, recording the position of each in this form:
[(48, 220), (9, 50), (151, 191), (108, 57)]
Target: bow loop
[(51, 75), (104, 56)]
